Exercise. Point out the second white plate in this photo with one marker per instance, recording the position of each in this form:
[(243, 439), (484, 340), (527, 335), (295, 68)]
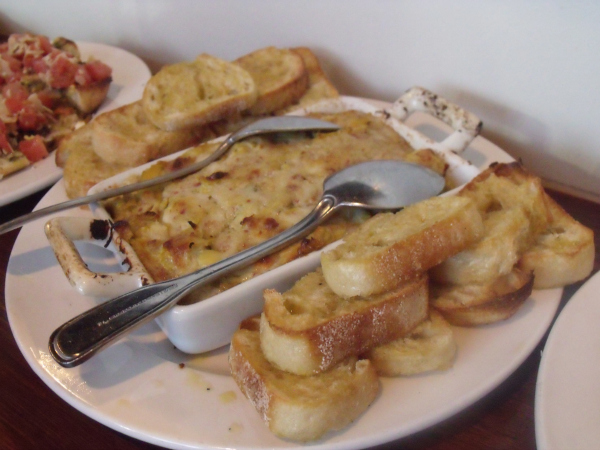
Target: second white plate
[(567, 398), (130, 75)]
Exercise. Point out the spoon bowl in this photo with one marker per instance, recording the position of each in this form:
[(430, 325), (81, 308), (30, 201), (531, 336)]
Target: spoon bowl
[(380, 185)]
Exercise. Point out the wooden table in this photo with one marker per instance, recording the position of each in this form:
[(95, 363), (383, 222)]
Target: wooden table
[(32, 416)]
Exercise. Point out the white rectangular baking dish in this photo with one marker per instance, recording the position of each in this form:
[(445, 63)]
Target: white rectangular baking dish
[(209, 324)]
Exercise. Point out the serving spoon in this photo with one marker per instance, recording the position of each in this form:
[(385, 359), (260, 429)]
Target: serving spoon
[(270, 125), (374, 185)]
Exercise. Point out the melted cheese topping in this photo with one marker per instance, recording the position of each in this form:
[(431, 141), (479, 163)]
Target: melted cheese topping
[(261, 187)]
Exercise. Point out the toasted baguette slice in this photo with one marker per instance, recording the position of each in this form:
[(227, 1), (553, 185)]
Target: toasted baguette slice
[(126, 136), (84, 168), (390, 249), (309, 329), (297, 407), (563, 254), (12, 162), (473, 305), (195, 93), (319, 85), (319, 88), (504, 186), (506, 237), (88, 99), (280, 77), (430, 346)]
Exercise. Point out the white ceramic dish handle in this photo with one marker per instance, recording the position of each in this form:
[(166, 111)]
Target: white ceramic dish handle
[(63, 232), (465, 124)]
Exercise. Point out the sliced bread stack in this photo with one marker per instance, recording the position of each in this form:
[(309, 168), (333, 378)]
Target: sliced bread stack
[(316, 331), (529, 242), (188, 103)]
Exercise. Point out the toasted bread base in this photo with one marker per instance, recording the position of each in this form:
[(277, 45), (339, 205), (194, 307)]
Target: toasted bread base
[(390, 249), (88, 99), (12, 163), (297, 407), (309, 329)]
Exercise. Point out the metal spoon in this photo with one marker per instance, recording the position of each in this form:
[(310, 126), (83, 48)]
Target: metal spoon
[(380, 185), (280, 124)]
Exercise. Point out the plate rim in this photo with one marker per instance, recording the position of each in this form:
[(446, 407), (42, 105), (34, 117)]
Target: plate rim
[(552, 351)]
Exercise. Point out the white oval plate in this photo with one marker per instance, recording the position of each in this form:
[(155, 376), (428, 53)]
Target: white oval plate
[(139, 388), (567, 397), (130, 75)]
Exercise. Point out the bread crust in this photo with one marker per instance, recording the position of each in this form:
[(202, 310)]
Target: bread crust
[(83, 168), (297, 407), (280, 76), (474, 305), (319, 85), (126, 136), (390, 249), (309, 329)]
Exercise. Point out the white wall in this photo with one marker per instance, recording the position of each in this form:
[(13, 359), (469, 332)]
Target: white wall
[(529, 69)]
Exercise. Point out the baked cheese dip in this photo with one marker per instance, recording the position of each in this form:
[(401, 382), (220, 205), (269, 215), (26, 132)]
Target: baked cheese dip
[(261, 187)]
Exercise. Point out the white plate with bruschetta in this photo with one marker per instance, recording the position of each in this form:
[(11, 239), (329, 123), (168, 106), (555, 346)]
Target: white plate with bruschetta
[(143, 387), (129, 76)]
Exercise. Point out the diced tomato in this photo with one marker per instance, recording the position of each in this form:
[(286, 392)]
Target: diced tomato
[(13, 63), (14, 104), (48, 98), (33, 64), (39, 66), (98, 70), (45, 44), (15, 96), (64, 110), (30, 119), (62, 73), (33, 148)]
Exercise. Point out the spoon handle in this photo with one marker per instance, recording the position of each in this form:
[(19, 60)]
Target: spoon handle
[(81, 337)]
